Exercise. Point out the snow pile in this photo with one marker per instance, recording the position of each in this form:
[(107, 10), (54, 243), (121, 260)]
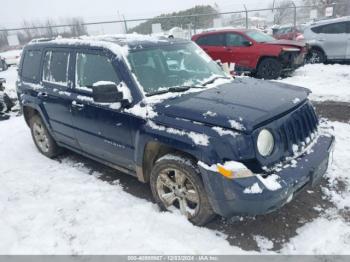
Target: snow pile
[(270, 182), (263, 243), (198, 139), (223, 132), (209, 113), (327, 82), (322, 236), (143, 111), (254, 189), (49, 207), (236, 125)]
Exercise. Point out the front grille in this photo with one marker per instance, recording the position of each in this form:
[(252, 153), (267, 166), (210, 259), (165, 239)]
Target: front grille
[(297, 130)]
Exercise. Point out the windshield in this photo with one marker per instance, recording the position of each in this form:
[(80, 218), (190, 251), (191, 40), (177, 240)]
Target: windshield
[(163, 68), (259, 36)]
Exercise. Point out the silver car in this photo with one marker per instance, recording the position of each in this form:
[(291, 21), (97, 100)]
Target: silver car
[(329, 40)]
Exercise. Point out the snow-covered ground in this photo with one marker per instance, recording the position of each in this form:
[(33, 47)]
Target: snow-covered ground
[(47, 206), (327, 82), (52, 207)]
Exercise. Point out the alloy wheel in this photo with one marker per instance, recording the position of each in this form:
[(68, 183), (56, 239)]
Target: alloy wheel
[(40, 137), (176, 191)]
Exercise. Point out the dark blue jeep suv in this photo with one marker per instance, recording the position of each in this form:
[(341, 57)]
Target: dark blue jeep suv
[(165, 112)]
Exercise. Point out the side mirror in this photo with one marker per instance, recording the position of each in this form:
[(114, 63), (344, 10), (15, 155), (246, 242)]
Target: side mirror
[(247, 43), (106, 92)]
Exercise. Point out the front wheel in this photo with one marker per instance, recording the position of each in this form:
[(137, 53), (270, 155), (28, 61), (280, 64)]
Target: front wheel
[(316, 56), (269, 68), (42, 138), (176, 186)]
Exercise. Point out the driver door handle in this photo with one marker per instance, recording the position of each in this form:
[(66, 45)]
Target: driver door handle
[(77, 105), (42, 94)]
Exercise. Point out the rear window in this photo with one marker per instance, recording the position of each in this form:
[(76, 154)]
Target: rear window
[(31, 65), (211, 40), (56, 67), (335, 28)]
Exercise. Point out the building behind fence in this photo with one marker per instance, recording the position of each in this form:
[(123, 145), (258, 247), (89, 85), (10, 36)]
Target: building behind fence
[(183, 24)]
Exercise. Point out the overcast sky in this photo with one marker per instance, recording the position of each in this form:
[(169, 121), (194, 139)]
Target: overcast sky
[(13, 12)]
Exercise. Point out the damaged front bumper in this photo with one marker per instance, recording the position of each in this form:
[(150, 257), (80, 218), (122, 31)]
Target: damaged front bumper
[(229, 197)]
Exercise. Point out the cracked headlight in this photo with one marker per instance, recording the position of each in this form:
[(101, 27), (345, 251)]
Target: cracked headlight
[(265, 143)]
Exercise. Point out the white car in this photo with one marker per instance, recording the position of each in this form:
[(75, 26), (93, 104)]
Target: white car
[(329, 40), (12, 57)]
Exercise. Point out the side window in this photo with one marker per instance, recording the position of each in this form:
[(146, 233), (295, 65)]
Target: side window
[(348, 27), (335, 28), (31, 65), (235, 40), (212, 40), (56, 67), (91, 68)]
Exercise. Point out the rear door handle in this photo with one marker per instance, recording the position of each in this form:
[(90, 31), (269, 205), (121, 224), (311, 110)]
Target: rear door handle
[(42, 94), (77, 105)]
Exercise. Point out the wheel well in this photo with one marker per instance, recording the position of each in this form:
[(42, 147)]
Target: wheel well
[(28, 113), (319, 49), (263, 58), (154, 151)]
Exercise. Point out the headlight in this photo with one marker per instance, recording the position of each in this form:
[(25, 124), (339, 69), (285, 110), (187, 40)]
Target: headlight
[(265, 143)]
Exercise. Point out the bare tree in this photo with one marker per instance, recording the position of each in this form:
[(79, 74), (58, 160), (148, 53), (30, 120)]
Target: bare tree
[(341, 7), (77, 27), (3, 39), (283, 12)]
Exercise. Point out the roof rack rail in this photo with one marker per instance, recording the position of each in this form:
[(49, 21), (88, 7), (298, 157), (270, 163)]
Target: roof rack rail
[(39, 40)]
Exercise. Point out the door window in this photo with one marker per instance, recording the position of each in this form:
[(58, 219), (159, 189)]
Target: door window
[(92, 68), (31, 65), (235, 40), (56, 67), (212, 40), (335, 28)]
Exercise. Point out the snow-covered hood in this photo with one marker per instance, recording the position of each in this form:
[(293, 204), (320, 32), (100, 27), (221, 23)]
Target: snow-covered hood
[(242, 105), (292, 43)]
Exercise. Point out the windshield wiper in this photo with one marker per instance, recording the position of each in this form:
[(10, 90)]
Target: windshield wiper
[(213, 80), (173, 90)]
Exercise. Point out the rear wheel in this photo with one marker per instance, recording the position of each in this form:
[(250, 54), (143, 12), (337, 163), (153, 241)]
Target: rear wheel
[(269, 68), (316, 56), (177, 187), (42, 138), (4, 66)]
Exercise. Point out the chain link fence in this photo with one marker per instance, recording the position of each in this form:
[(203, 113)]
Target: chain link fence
[(183, 26)]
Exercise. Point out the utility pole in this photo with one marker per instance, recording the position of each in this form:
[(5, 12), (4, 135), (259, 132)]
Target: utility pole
[(246, 17)]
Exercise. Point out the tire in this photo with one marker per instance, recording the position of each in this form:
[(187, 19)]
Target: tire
[(8, 102), (269, 68), (316, 56), (42, 138), (185, 194), (4, 66)]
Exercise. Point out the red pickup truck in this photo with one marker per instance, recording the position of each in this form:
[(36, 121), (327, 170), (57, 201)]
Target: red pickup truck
[(253, 51)]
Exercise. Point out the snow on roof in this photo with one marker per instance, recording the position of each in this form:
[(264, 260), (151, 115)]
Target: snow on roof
[(115, 43), (221, 29)]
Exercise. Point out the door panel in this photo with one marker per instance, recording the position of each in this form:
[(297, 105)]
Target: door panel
[(214, 46), (57, 95), (239, 53), (101, 131), (333, 39)]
